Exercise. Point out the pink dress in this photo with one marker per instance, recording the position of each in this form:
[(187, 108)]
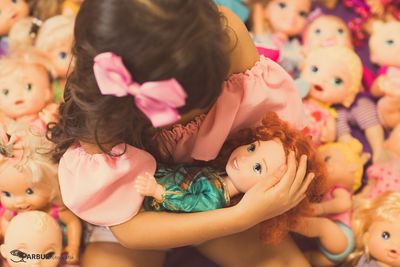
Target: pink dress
[(344, 217), (385, 177), (99, 188)]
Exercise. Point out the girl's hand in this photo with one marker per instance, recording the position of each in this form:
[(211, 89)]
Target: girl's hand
[(278, 193), (147, 185)]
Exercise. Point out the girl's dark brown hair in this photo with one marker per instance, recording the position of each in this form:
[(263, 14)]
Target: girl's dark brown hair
[(272, 127), (157, 40)]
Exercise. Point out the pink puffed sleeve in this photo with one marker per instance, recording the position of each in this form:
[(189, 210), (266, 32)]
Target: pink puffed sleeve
[(99, 188)]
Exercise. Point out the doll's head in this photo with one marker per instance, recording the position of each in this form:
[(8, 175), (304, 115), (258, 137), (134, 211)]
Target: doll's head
[(24, 85), (253, 154), (287, 17), (376, 228), (327, 30), (345, 163), (23, 34), (384, 43), (45, 9), (55, 40), (28, 178), (334, 74), (10, 12), (30, 234), (194, 51)]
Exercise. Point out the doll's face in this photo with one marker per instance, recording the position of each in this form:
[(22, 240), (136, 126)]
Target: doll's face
[(341, 170), (384, 44), (61, 57), (21, 240), (19, 193), (24, 92), (250, 163), (383, 242), (327, 31), (329, 78), (10, 12), (288, 17)]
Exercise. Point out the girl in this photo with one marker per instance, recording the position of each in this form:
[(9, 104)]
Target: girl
[(200, 49)]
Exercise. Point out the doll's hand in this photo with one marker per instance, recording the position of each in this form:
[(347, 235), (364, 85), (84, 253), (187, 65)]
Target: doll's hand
[(317, 209), (389, 87), (73, 254), (49, 113), (147, 185)]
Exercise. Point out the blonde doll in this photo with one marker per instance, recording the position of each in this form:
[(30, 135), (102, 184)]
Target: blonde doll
[(377, 232), (28, 181)]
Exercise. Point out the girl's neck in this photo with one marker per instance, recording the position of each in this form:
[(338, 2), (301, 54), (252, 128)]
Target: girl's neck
[(232, 191)]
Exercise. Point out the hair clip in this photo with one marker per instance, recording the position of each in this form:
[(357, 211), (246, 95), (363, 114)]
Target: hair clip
[(36, 24)]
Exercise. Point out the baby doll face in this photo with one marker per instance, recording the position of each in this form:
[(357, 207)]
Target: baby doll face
[(19, 193), (10, 12), (250, 163), (24, 92), (384, 44), (329, 78), (327, 31), (383, 242), (288, 17), (61, 57)]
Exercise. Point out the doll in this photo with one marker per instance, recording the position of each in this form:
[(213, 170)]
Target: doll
[(275, 22), (326, 30), (31, 234), (248, 157), (331, 221), (384, 176), (377, 232), (384, 49), (26, 92), (28, 181)]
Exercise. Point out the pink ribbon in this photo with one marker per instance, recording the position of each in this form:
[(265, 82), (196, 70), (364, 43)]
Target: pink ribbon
[(158, 100)]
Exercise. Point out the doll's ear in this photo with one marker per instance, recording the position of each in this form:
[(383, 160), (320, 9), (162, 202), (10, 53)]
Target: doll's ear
[(4, 250), (377, 25)]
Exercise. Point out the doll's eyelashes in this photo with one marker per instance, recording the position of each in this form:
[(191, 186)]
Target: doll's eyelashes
[(49, 255), (29, 87), (390, 42), (385, 235), (303, 14), (5, 92), (29, 191), (340, 31), (7, 194), (282, 5), (317, 31), (338, 81), (62, 55), (251, 148), (257, 168), (314, 69)]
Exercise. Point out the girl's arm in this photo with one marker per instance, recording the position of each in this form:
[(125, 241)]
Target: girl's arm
[(74, 231), (269, 198)]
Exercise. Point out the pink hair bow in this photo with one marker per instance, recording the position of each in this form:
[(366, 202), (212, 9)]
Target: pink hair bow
[(158, 100)]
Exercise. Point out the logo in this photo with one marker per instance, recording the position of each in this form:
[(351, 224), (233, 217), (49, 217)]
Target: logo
[(24, 256)]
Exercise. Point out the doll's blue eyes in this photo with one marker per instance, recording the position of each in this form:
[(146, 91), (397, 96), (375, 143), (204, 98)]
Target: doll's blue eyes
[(5, 92), (50, 255), (390, 42), (257, 168), (303, 14), (62, 55), (317, 31), (338, 81), (314, 69), (385, 235), (327, 158), (29, 191), (7, 194), (251, 148), (340, 31), (14, 1), (282, 5), (29, 87)]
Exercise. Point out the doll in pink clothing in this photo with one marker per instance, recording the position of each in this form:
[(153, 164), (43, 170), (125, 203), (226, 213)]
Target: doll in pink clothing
[(384, 47), (331, 220), (25, 92)]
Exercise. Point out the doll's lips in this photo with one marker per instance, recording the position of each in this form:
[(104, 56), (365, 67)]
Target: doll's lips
[(19, 102), (318, 88), (393, 254), (24, 208)]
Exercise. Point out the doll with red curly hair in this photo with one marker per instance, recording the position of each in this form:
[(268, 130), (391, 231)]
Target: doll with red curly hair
[(250, 155)]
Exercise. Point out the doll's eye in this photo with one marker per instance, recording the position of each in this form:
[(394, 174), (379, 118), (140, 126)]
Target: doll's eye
[(338, 81), (282, 5), (29, 87), (14, 1), (314, 69), (62, 55), (303, 14), (327, 159), (7, 194), (385, 235), (340, 31), (251, 148), (49, 255), (29, 191), (317, 31), (390, 42), (257, 168), (5, 92)]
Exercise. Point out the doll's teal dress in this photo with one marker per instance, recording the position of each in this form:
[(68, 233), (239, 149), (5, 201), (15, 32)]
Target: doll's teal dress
[(189, 189), (236, 6)]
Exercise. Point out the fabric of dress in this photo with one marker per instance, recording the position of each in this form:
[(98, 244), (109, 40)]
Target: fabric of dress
[(189, 189), (318, 116), (384, 177), (99, 188), (236, 6), (290, 51), (364, 262)]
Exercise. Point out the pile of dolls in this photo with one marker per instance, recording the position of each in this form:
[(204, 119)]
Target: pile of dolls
[(35, 56), (357, 222)]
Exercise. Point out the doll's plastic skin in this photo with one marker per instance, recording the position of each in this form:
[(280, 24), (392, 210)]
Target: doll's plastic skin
[(246, 166), (10, 12), (20, 194), (43, 237)]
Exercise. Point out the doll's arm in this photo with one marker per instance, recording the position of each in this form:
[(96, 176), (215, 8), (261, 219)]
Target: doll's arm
[(243, 54), (340, 202), (74, 231), (329, 131), (5, 219), (147, 185), (375, 137), (376, 87), (257, 17)]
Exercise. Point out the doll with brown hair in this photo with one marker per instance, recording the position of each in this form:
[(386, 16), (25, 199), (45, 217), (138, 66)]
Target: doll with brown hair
[(331, 222), (25, 91), (28, 181), (247, 157), (377, 232)]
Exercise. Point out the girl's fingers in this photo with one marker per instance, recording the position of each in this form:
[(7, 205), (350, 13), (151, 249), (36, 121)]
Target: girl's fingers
[(288, 178), (300, 174), (272, 180), (310, 177)]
